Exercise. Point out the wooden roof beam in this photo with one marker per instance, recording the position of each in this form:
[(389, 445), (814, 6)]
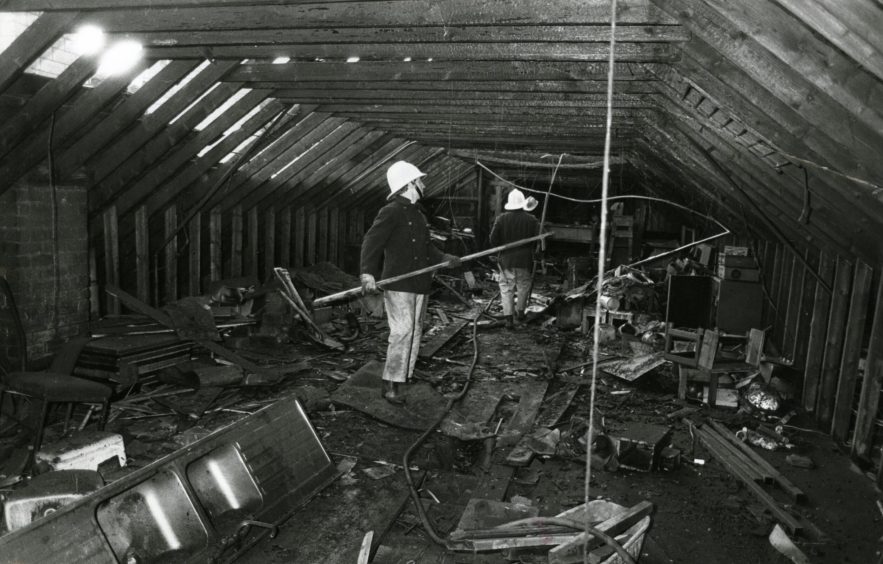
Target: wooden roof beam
[(300, 156), (187, 99), (821, 112), (31, 43), (309, 127), (334, 50), (43, 104), (854, 27), (94, 140), (69, 125), (126, 15), (157, 164), (319, 179)]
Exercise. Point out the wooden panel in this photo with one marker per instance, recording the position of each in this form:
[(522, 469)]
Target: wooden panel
[(825, 67), (815, 349), (269, 250), (334, 238), (300, 234), (818, 110), (194, 246), (848, 25), (869, 400), (236, 243), (170, 255), (251, 243), (142, 255), (310, 252), (834, 344), (804, 315), (322, 238), (285, 237), (111, 257), (795, 300), (215, 244), (852, 351)]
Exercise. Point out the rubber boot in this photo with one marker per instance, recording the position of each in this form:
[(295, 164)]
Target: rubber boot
[(391, 393), (510, 324)]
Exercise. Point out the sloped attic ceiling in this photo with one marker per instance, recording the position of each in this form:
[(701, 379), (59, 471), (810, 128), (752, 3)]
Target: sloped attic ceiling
[(765, 113)]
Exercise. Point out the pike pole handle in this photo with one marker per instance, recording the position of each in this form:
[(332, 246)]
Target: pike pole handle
[(358, 291)]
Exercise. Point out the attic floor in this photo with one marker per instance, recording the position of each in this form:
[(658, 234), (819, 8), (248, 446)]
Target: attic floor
[(702, 514)]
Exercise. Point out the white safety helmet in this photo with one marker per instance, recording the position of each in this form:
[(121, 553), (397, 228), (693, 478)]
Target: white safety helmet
[(515, 201), (400, 174)]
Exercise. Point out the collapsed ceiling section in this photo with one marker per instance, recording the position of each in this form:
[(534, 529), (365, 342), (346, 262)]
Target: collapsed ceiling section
[(767, 115)]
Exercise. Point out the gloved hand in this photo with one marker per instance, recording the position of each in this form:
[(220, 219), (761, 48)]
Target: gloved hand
[(369, 285), (453, 260)]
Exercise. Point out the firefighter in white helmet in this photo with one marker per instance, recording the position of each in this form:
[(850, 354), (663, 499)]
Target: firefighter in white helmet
[(398, 242)]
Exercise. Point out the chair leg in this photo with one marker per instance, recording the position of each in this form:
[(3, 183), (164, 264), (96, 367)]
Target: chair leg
[(67, 416), (105, 411), (44, 418)]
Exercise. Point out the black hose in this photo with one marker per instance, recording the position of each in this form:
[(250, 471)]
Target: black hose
[(424, 519)]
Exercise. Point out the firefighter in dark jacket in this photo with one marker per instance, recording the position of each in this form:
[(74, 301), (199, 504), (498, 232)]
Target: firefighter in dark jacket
[(398, 242), (516, 264)]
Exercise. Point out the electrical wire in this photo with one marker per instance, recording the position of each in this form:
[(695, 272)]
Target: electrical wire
[(609, 198)]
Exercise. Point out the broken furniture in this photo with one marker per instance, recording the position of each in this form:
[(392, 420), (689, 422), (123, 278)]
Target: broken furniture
[(125, 360), (482, 531), (206, 502), (707, 362), (57, 386)]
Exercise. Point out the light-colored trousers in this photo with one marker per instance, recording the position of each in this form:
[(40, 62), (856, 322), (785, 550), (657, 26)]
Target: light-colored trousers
[(514, 281), (404, 314)]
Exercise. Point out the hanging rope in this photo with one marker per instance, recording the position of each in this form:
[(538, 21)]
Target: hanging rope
[(602, 261)]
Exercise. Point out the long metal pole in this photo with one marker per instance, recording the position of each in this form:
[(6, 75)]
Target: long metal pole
[(358, 291)]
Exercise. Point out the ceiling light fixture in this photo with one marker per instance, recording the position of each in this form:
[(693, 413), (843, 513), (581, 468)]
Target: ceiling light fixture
[(119, 58), (89, 40), (281, 60), (352, 59)]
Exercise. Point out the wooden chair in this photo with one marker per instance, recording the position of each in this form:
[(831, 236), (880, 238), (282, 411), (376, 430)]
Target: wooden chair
[(56, 386)]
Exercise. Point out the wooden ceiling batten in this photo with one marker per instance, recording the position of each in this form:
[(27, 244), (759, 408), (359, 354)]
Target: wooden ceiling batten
[(378, 13), (68, 126), (43, 104), (123, 116), (31, 43)]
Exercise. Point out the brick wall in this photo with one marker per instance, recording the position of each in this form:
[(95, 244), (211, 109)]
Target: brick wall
[(50, 282)]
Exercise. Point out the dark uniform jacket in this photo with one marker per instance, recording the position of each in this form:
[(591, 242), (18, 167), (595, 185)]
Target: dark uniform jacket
[(398, 242), (513, 226)]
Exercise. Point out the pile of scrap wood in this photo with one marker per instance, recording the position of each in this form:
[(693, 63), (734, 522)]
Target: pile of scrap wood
[(564, 535), (750, 468)]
